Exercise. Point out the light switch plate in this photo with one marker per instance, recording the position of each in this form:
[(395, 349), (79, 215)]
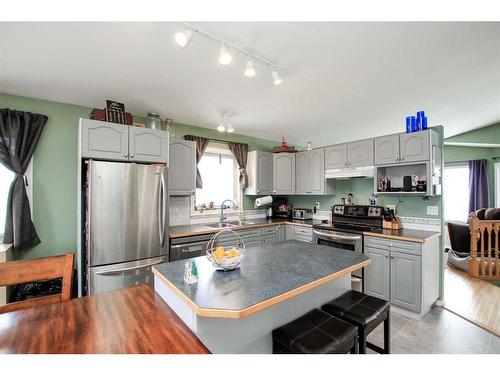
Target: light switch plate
[(317, 205), (433, 210)]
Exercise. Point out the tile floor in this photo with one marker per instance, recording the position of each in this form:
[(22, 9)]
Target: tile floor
[(440, 331)]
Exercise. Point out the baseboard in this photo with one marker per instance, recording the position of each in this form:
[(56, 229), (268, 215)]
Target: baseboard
[(409, 314), (439, 302)]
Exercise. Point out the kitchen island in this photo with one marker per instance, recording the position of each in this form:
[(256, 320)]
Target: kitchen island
[(236, 311)]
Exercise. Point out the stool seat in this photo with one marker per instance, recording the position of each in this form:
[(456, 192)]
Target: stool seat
[(366, 312), (357, 308), (315, 333)]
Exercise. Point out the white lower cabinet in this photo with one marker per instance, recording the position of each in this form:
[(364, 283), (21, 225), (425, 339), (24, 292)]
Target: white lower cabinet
[(402, 272)]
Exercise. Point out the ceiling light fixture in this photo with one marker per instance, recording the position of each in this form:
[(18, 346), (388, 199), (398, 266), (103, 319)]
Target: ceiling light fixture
[(182, 38), (276, 78), (225, 57), (249, 70)]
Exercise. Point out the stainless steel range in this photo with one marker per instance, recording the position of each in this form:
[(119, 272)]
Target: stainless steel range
[(347, 227)]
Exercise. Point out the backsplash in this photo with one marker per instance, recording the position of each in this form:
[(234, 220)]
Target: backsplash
[(180, 213)]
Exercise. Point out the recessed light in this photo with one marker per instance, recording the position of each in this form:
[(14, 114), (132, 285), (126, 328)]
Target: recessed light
[(276, 77)]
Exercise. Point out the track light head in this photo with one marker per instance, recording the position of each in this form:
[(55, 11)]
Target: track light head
[(182, 38), (249, 70), (276, 78), (225, 57), (221, 128)]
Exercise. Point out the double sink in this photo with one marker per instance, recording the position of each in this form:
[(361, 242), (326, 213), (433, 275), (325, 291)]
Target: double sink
[(230, 224)]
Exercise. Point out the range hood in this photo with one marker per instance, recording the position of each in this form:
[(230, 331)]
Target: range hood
[(346, 173)]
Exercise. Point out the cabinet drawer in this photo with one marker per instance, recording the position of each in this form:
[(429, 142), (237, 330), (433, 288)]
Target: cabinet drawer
[(394, 245), (249, 233), (303, 231), (269, 230), (301, 237)]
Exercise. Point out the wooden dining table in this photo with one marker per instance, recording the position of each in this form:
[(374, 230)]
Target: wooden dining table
[(130, 321)]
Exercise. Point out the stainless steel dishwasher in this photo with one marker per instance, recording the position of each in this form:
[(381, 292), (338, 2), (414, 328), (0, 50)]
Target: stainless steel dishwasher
[(188, 247)]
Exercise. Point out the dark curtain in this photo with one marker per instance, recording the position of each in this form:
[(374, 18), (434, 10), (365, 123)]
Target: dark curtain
[(479, 196), (201, 145), (19, 135), (240, 153)]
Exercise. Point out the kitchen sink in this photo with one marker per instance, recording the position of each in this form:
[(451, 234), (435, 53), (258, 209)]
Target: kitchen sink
[(221, 225), (236, 223)]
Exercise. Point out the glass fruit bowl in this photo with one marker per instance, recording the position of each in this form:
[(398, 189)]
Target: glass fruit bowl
[(225, 250)]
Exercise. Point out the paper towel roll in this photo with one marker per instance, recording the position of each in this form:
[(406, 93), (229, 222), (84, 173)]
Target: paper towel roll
[(263, 201)]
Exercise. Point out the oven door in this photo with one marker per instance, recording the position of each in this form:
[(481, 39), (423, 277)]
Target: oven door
[(342, 240)]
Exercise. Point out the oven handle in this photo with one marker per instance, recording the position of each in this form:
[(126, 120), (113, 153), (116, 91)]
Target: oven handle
[(337, 236)]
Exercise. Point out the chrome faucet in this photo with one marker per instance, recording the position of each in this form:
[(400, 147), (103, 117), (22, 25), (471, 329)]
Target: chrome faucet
[(222, 217)]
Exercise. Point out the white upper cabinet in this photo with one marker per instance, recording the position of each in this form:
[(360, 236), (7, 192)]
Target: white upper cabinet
[(103, 140), (317, 171), (387, 149), (284, 173), (414, 146), (302, 172), (182, 167), (360, 154), (260, 173), (109, 141), (336, 156), (148, 145)]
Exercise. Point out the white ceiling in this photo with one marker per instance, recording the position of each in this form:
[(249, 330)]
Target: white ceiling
[(342, 81)]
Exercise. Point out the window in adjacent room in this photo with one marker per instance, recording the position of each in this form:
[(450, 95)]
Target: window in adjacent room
[(219, 172), (497, 184), (456, 193), (6, 177)]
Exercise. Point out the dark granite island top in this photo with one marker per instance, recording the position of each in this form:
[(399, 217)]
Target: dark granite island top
[(267, 275)]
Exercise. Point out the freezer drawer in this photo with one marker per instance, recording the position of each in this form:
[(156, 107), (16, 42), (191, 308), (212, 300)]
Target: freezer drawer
[(122, 275)]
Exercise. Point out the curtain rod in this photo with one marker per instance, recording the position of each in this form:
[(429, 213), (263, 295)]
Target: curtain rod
[(217, 140)]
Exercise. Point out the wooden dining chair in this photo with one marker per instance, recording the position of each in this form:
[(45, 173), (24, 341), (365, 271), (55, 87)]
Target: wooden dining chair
[(42, 269)]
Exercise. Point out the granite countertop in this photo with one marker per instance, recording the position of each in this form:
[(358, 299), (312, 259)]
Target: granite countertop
[(412, 235), (267, 275), (198, 229)]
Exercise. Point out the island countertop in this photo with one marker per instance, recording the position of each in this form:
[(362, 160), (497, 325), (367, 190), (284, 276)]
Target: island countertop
[(267, 275)]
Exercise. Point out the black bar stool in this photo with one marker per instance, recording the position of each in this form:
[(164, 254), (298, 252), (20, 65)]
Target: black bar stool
[(366, 312), (315, 333)]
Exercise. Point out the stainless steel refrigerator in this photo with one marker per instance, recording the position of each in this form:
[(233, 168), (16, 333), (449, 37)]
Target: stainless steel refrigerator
[(126, 226)]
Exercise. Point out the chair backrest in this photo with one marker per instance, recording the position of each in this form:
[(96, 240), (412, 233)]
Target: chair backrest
[(24, 271)]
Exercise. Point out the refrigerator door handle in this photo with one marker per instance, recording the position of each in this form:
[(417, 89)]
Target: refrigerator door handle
[(121, 270), (162, 210)]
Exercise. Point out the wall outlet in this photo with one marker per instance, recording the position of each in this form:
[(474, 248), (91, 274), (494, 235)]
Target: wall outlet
[(433, 210), (317, 205), (391, 207)]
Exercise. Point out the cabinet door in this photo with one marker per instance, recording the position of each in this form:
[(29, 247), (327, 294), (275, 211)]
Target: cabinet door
[(317, 171), (264, 173), (182, 167), (302, 180), (377, 274), (103, 140), (284, 173), (268, 240), (360, 154), (406, 280), (281, 233), (289, 232), (148, 145), (414, 146), (336, 156), (387, 149)]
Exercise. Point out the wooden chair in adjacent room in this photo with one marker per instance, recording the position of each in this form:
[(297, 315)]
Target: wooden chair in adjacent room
[(42, 269)]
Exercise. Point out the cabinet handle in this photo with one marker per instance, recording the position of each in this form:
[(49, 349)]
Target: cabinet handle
[(392, 256), (258, 191), (126, 155), (387, 255), (396, 158), (389, 244), (274, 191), (131, 155), (401, 158)]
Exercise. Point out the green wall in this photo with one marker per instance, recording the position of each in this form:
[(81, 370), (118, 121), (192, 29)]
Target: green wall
[(55, 170)]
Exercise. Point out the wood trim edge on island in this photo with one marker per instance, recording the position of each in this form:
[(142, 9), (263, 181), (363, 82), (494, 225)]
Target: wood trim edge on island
[(400, 238), (238, 314)]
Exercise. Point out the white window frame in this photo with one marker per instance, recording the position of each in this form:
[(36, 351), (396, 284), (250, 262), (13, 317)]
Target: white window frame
[(452, 165), (29, 192), (496, 184), (222, 149)]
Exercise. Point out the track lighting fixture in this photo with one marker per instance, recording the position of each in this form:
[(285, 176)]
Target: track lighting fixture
[(249, 70), (276, 78), (182, 38), (225, 57)]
